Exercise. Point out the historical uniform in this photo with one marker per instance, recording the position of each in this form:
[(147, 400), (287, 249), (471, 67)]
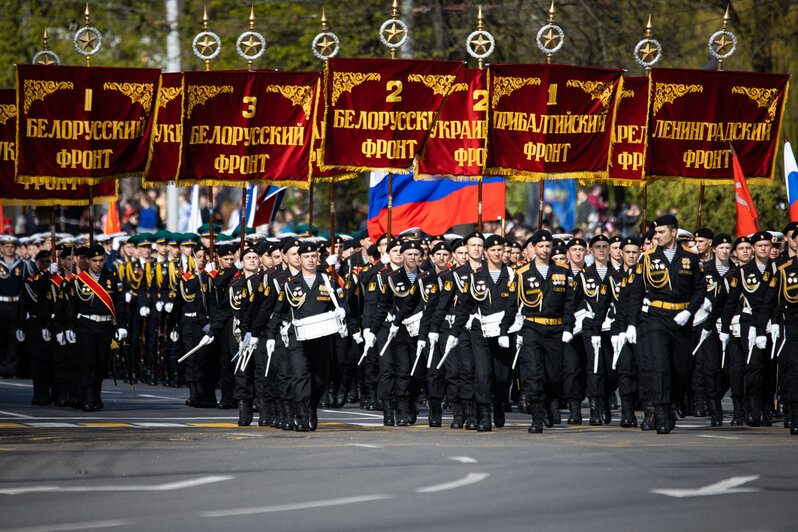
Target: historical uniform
[(12, 277)]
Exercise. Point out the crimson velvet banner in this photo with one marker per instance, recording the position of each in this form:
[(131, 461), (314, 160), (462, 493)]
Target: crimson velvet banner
[(316, 173), (380, 112), (83, 125), (33, 194), (456, 146), (627, 164), (163, 163), (248, 127), (696, 116), (551, 121)]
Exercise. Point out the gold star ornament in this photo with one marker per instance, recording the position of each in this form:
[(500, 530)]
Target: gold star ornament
[(648, 52), (394, 31), (87, 40), (722, 42), (549, 38), (324, 45), (480, 44), (251, 44), (207, 44)]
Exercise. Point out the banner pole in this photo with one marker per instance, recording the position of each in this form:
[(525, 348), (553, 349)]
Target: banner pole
[(310, 208), (332, 219), (390, 203), (549, 50), (52, 235), (643, 228), (242, 223), (91, 215)]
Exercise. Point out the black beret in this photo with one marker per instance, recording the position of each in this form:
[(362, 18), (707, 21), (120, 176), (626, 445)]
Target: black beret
[(789, 228), (83, 251), (437, 237), (494, 240), (559, 250), (95, 251), (380, 238), (200, 247), (617, 239), (721, 238), (263, 247), (576, 242), (394, 243), (557, 242), (599, 238), (630, 241), (352, 243), (43, 254), (372, 250), (337, 238), (440, 246), (457, 243), (66, 251), (249, 249), (649, 234), (665, 219), (761, 236), (411, 244), (540, 236), (705, 232), (288, 243), (741, 240), (226, 249), (475, 234), (307, 247), (515, 245)]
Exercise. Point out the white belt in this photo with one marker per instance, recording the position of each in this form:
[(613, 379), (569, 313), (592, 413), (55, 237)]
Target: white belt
[(96, 317), (9, 299), (449, 319), (413, 323), (190, 314), (580, 316), (491, 324)]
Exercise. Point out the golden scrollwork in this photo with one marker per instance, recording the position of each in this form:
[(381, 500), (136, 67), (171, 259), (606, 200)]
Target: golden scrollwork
[(199, 94), (668, 92), (346, 81), (35, 90), (506, 85), (167, 94), (137, 92), (458, 87), (625, 93), (597, 90), (440, 84), (762, 97), (7, 111), (301, 95)]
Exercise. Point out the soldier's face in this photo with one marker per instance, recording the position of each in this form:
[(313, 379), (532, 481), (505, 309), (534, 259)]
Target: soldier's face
[(96, 264), (665, 235), (250, 262), (226, 261), (161, 249), (577, 254), (475, 248), (292, 258), (515, 255), (792, 242), (702, 244), (762, 249), (145, 252), (43, 264), (201, 259), (174, 252), (396, 255), (615, 251), (266, 260), (559, 258), (744, 252), (185, 251), (722, 252), (631, 254), (495, 254), (9, 249), (412, 258), (775, 250), (309, 260), (276, 256), (600, 251), (441, 258), (461, 255), (543, 250)]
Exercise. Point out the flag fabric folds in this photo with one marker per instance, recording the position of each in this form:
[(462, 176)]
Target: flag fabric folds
[(791, 177), (747, 219), (267, 205)]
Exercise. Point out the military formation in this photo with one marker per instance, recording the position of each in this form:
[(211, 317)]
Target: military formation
[(476, 324)]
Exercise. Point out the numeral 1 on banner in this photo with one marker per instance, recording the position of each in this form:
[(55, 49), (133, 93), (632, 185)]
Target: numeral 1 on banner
[(87, 100), (552, 94)]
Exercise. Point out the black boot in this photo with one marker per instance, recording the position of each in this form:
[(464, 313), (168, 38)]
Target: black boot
[(606, 411), (794, 419), (595, 412), (457, 415), (537, 418), (662, 416), (738, 416), (313, 418), (244, 412), (753, 417), (648, 417), (787, 412), (548, 414), (498, 413), (435, 412), (288, 415), (412, 411), (556, 415), (628, 419), (264, 413), (575, 409), (716, 411), (371, 402), (192, 394), (483, 413), (469, 411), (89, 404), (301, 416), (768, 412), (387, 414), (402, 412), (700, 405)]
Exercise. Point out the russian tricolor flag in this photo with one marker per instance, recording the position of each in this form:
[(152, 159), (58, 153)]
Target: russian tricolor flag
[(791, 177), (267, 205), (432, 206)]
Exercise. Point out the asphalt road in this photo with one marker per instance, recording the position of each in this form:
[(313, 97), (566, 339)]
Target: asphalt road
[(151, 463)]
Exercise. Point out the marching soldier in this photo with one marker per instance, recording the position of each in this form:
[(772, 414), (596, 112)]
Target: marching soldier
[(224, 328), (574, 354), (786, 316), (12, 276), (38, 304)]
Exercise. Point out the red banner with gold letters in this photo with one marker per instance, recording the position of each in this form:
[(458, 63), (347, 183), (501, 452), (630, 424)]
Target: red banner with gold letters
[(456, 146), (694, 114), (380, 112), (316, 172), (551, 121), (13, 193), (627, 164), (163, 163), (83, 125), (248, 127)]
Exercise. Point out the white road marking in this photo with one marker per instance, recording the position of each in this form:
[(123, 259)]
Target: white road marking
[(471, 478), (52, 425), (463, 459), (73, 526), (168, 486), (157, 425), (724, 487), (366, 445), (150, 396), (719, 437), (355, 412), (295, 506), (20, 384), (12, 414)]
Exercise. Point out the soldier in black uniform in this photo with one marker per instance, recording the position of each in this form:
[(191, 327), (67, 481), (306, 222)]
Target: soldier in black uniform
[(785, 315), (223, 327), (574, 357), (39, 299), (673, 282), (12, 276)]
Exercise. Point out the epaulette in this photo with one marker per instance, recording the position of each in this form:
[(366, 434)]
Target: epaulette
[(213, 273), (562, 265), (523, 268), (186, 276), (689, 250), (789, 262), (650, 251)]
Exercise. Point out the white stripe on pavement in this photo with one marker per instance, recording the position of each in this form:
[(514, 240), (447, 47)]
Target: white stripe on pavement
[(463, 459), (295, 506), (471, 478), (169, 486), (73, 526), (12, 414)]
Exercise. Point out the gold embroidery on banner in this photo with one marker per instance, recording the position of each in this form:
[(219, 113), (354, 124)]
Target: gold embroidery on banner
[(668, 92), (346, 81), (440, 84), (137, 92), (7, 111), (38, 90), (167, 94), (762, 97), (298, 94), (596, 89), (504, 86), (458, 87), (626, 94), (199, 94)]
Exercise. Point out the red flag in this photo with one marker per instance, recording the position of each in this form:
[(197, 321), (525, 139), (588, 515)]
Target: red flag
[(747, 219), (112, 220)]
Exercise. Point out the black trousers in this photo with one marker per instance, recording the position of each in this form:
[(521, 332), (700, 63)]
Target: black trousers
[(697, 372), (755, 366), (669, 349), (395, 365), (710, 357), (790, 352), (9, 322), (541, 361), (310, 368), (598, 382), (492, 366), (573, 369), (94, 348), (135, 352), (228, 347), (41, 357), (197, 365), (154, 358), (250, 383), (627, 371)]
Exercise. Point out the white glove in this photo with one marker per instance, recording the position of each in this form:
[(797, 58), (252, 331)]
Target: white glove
[(761, 342), (332, 260), (567, 337), (174, 336), (751, 336), (128, 297), (358, 338), (158, 306), (433, 337), (451, 343), (206, 340), (245, 341), (621, 339), (53, 268), (20, 335), (595, 341), (369, 338), (46, 336), (70, 336), (238, 265), (59, 337), (270, 345), (724, 338), (210, 267), (421, 345), (144, 312), (519, 341), (121, 333), (253, 343), (504, 342), (393, 330), (775, 331), (340, 313), (631, 334), (707, 306), (385, 259), (615, 341), (168, 306), (682, 318)]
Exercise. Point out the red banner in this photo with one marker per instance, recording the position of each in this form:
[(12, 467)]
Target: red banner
[(83, 125), (695, 114), (163, 163), (331, 173), (551, 121), (13, 193), (248, 127), (627, 164), (456, 146), (380, 112)]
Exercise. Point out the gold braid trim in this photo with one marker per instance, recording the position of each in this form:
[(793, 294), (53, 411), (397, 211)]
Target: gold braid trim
[(440, 84), (35, 90), (597, 90), (346, 81), (167, 94), (762, 97), (199, 94), (137, 92), (506, 85), (7, 111), (668, 92), (301, 95)]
